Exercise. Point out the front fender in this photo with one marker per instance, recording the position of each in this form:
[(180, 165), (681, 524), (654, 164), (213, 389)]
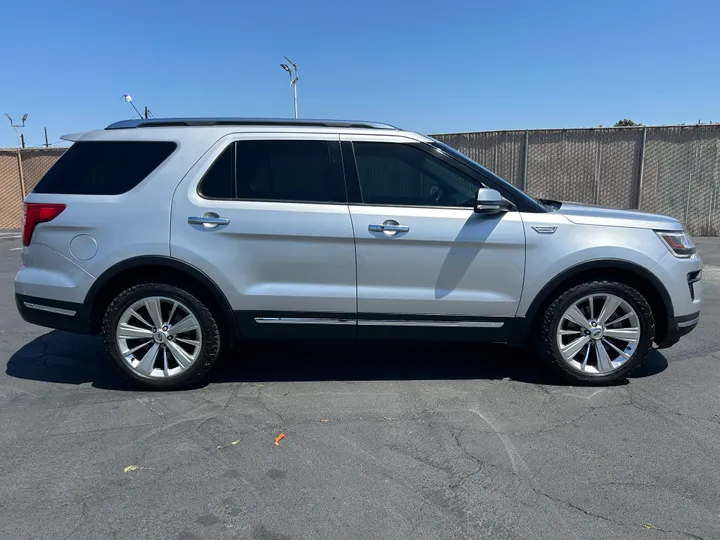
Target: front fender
[(553, 259)]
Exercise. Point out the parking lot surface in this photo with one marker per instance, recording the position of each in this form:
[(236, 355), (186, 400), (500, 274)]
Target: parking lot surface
[(382, 441)]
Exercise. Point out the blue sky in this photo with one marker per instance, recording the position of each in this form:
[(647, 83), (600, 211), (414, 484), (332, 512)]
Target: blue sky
[(430, 66)]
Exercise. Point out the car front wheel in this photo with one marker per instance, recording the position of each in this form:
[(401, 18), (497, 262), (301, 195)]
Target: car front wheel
[(596, 333), (161, 336)]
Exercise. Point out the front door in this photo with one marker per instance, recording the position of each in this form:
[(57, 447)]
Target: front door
[(425, 259), (266, 218)]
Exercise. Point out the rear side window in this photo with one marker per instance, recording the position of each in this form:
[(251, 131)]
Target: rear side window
[(104, 167), (282, 171), (286, 171)]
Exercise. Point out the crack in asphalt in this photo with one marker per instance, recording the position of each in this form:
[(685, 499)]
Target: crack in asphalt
[(605, 518), (659, 410), (575, 507), (260, 401)]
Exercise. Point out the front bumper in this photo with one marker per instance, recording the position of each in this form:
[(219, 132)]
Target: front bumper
[(678, 327), (67, 316)]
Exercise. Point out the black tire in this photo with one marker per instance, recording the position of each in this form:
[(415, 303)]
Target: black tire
[(546, 343), (210, 343)]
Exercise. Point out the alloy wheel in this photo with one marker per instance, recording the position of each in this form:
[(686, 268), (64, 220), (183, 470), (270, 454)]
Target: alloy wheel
[(159, 337), (598, 334)]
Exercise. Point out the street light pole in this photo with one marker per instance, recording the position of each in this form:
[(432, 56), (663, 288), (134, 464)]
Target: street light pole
[(17, 127), (293, 72), (128, 99), (21, 143)]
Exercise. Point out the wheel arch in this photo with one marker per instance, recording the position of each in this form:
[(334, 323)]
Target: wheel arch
[(155, 268), (638, 277)]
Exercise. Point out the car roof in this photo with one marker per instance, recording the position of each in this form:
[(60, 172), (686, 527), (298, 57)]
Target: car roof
[(196, 122), (190, 128)]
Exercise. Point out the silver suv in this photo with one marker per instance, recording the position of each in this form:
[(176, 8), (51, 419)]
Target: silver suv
[(175, 238)]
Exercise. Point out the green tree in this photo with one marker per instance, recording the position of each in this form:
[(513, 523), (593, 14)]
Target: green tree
[(625, 122)]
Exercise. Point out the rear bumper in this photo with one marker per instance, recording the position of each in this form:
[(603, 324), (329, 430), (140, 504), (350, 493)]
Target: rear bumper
[(67, 316), (678, 327)]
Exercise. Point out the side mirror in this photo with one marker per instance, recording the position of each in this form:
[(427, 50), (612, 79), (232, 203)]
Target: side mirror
[(490, 202)]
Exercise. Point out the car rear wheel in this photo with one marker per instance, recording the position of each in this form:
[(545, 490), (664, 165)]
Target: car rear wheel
[(596, 333), (161, 336)]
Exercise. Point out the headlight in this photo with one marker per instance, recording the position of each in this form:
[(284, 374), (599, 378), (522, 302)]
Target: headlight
[(678, 242)]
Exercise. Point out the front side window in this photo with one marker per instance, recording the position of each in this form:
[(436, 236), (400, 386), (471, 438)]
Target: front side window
[(402, 175), (286, 171)]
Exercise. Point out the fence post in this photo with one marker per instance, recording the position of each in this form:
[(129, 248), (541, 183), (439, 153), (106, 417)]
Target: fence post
[(22, 176), (598, 164), (641, 172), (523, 180)]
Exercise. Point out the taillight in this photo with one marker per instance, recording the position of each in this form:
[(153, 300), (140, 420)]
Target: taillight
[(38, 213)]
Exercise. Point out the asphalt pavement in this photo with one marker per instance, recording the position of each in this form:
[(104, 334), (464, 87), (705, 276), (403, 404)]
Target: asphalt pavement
[(382, 441)]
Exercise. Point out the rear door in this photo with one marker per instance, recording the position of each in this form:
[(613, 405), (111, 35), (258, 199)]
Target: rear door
[(266, 217), (425, 258)]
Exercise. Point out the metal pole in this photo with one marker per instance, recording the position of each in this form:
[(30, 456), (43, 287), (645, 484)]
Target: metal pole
[(295, 97), (22, 175), (136, 109), (523, 181), (641, 172), (686, 217), (598, 164), (294, 76), (46, 139)]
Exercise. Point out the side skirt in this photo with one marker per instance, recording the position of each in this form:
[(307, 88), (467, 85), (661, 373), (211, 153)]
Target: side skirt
[(324, 325)]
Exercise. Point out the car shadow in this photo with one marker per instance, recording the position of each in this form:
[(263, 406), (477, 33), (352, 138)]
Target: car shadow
[(66, 358), (463, 252)]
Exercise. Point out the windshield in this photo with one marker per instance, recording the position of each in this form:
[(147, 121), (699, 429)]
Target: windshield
[(503, 183)]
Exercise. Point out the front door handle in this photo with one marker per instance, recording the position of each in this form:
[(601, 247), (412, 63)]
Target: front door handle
[(209, 220), (389, 228)]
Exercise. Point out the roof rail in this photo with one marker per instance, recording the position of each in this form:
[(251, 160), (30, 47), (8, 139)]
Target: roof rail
[(187, 122)]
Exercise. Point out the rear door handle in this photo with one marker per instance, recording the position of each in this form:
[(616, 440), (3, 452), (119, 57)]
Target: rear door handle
[(389, 227), (209, 220)]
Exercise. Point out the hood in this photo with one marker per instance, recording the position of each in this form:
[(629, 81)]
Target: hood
[(586, 214)]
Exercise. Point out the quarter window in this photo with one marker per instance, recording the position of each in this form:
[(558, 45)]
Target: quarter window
[(402, 175), (218, 182), (104, 167)]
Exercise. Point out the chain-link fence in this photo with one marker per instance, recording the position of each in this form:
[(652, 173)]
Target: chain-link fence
[(20, 170), (11, 192), (681, 176), (500, 151), (671, 170)]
